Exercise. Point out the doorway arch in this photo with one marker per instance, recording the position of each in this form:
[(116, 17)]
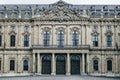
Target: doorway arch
[(60, 64), (75, 64), (46, 64)]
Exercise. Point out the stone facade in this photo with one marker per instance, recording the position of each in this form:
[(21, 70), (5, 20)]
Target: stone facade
[(61, 39)]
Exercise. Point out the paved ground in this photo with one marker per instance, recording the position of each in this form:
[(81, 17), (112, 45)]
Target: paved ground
[(58, 78)]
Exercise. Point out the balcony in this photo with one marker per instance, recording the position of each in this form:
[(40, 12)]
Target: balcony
[(60, 47)]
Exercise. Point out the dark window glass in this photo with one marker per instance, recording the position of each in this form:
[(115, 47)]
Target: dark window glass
[(0, 40), (95, 40), (12, 65), (75, 38), (12, 40), (109, 65), (0, 65), (46, 38), (26, 41), (25, 65), (95, 65), (60, 39), (109, 40)]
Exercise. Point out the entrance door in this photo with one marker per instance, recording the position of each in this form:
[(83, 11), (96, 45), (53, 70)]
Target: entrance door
[(60, 64), (46, 64), (75, 64)]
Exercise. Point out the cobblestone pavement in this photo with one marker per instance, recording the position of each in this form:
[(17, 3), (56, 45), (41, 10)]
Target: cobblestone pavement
[(58, 78)]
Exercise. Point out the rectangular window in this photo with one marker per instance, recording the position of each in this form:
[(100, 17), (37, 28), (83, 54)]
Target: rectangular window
[(109, 41), (0, 65), (12, 41), (12, 65), (26, 41), (60, 39), (46, 38), (0, 40), (95, 40)]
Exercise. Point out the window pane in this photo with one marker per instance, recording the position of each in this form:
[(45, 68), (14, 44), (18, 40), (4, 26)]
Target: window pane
[(95, 40), (75, 38), (26, 40), (12, 40), (109, 65), (0, 40), (109, 40), (25, 65), (46, 39), (60, 39), (95, 65), (12, 65), (0, 65)]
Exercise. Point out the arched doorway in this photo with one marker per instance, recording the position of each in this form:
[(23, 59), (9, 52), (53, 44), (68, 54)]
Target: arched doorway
[(109, 65), (46, 64), (75, 64), (60, 64)]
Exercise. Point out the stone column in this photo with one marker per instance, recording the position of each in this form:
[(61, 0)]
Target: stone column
[(38, 64), (116, 64), (83, 64), (53, 64), (34, 63), (68, 64), (88, 63)]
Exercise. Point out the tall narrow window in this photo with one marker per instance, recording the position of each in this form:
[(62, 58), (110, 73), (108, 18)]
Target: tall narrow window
[(60, 39), (95, 40), (12, 40), (0, 40), (109, 40), (95, 65), (12, 65), (109, 65), (46, 39), (75, 38), (26, 40), (25, 65)]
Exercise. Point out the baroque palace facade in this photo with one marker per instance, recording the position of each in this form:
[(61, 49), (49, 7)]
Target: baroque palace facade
[(60, 38)]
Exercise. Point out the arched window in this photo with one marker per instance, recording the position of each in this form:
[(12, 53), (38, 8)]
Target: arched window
[(95, 40), (109, 65), (25, 65), (75, 38), (26, 40), (12, 40), (60, 39), (109, 40), (0, 40), (95, 65), (12, 65), (46, 39)]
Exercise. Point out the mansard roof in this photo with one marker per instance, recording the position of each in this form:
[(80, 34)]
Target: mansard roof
[(58, 10)]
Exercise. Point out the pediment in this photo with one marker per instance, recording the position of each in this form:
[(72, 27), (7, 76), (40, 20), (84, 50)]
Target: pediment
[(59, 11)]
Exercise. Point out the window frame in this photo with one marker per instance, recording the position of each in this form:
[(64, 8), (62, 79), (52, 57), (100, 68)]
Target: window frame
[(12, 40), (60, 38), (46, 38), (26, 40), (75, 38)]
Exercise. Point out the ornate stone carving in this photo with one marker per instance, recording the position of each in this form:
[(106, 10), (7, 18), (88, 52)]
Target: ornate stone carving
[(59, 11)]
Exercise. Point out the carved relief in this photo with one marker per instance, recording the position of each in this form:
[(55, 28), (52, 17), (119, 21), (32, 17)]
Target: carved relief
[(59, 11)]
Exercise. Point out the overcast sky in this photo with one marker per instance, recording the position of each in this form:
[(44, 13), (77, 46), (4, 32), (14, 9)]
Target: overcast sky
[(114, 2)]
